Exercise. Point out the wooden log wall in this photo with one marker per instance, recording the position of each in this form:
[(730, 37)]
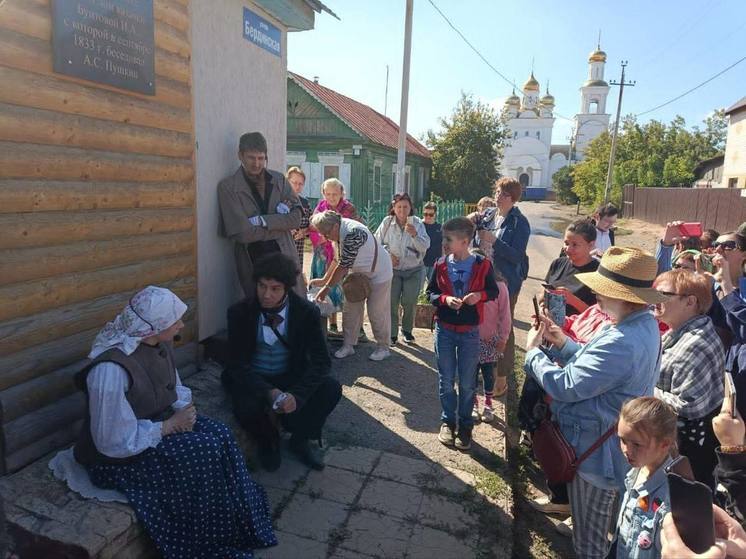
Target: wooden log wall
[(97, 200)]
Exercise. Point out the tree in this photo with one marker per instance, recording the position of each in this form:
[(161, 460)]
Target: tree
[(466, 150), (562, 183), (651, 154), (716, 129)]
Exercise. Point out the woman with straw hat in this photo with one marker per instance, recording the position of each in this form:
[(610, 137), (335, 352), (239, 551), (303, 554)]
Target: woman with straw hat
[(594, 380)]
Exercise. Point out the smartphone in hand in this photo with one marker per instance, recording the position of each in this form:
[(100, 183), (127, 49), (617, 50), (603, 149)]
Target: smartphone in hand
[(691, 229), (730, 390), (537, 314), (691, 509), (555, 304)]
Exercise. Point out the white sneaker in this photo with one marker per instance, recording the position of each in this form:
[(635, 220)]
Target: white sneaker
[(475, 415), (545, 505), (565, 527), (380, 354), (487, 414), (344, 351)]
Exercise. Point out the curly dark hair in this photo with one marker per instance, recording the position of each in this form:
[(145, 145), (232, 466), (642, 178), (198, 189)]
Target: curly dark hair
[(401, 198), (585, 227), (278, 267)]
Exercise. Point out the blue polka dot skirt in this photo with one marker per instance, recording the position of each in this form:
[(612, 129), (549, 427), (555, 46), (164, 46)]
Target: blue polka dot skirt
[(194, 495)]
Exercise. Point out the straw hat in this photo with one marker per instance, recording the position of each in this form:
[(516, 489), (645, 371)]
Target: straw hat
[(626, 274)]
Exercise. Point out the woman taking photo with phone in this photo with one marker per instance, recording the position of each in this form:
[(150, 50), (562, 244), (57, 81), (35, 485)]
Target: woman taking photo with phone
[(404, 236), (592, 382), (579, 241), (692, 365), (730, 254)]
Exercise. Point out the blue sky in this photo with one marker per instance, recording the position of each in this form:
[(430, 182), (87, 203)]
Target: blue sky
[(670, 45)]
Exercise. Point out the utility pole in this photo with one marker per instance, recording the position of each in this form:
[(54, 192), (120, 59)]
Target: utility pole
[(401, 158), (386, 93), (610, 173)]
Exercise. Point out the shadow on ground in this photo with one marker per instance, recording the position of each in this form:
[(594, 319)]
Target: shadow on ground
[(390, 488)]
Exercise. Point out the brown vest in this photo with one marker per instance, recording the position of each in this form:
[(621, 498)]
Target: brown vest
[(152, 390)]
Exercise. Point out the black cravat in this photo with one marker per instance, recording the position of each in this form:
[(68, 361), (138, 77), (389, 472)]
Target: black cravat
[(273, 320)]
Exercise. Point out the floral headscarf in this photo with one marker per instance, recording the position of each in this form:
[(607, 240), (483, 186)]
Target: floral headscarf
[(149, 312)]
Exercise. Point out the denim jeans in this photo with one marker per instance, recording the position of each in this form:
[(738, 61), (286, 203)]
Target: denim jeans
[(458, 359), (488, 376)]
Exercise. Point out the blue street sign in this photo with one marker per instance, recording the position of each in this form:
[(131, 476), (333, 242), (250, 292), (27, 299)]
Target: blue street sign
[(261, 32)]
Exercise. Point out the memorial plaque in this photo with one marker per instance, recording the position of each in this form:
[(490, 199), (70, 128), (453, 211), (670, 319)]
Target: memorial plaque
[(105, 41)]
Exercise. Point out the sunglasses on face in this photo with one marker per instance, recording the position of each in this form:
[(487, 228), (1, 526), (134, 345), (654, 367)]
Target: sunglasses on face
[(725, 245), (672, 294)]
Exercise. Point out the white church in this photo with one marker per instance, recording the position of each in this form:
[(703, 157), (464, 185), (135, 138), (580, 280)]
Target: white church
[(529, 154)]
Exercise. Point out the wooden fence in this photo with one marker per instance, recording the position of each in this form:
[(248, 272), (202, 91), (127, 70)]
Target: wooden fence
[(722, 209), (96, 201)]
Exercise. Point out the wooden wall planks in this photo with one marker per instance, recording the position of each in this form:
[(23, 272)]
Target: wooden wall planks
[(97, 200)]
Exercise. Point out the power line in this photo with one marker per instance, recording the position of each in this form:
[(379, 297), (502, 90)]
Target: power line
[(472, 47), (687, 92), (479, 54), (683, 31)]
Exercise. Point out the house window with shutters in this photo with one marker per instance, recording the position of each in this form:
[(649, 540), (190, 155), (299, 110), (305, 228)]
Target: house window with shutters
[(331, 172)]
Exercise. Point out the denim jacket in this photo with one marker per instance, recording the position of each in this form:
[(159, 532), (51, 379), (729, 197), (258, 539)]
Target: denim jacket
[(621, 362), (509, 249), (641, 515)]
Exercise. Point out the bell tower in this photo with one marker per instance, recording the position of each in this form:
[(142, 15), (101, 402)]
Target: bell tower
[(592, 119)]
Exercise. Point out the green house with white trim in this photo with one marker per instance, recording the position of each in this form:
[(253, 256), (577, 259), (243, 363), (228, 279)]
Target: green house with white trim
[(331, 135)]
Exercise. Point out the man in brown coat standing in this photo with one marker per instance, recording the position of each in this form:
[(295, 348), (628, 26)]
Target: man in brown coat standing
[(258, 211)]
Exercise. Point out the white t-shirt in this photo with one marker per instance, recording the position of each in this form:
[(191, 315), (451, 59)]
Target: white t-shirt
[(603, 241)]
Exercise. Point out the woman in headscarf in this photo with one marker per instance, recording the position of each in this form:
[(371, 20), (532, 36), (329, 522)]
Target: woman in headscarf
[(183, 473)]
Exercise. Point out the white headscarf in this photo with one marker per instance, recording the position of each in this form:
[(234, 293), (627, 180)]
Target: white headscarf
[(149, 312)]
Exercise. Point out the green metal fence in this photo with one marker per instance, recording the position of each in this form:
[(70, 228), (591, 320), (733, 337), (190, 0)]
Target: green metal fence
[(373, 213)]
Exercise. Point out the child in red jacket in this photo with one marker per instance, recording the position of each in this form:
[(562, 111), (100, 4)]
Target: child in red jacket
[(460, 284)]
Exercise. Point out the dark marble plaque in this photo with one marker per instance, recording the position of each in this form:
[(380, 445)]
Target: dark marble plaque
[(105, 41)]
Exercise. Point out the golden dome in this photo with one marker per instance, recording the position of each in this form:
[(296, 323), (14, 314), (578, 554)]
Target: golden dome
[(531, 84), (513, 99), (595, 83), (597, 56), (548, 99)]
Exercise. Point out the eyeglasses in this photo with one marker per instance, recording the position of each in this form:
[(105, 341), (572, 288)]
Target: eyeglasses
[(398, 197), (681, 267), (726, 245), (672, 294)]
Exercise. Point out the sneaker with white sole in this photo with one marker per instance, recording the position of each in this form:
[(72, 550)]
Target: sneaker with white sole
[(487, 414), (475, 414), (447, 434), (565, 527), (380, 354), (463, 438), (545, 505), (344, 351)]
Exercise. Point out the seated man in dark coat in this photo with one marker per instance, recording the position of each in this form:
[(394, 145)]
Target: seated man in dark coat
[(279, 369)]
